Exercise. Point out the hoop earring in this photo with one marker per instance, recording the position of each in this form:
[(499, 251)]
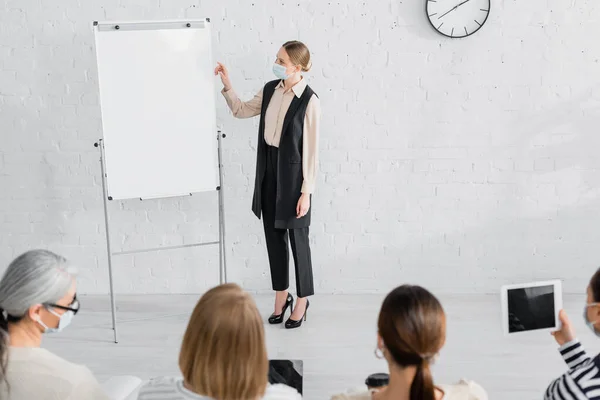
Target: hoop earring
[(378, 353)]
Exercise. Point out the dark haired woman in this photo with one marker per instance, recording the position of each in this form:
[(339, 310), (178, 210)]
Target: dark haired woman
[(411, 332), (582, 381)]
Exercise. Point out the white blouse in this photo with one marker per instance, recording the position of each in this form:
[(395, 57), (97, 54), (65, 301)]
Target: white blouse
[(274, 118), (36, 373)]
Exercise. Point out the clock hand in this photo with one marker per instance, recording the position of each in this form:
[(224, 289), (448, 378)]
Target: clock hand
[(466, 1), (454, 8)]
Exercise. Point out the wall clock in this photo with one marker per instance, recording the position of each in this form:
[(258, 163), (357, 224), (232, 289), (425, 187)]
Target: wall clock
[(457, 18)]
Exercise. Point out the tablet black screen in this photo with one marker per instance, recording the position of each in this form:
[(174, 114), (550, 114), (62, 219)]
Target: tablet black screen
[(531, 308)]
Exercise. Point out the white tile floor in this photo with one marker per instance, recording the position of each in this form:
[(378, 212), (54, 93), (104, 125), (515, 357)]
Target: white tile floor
[(336, 343)]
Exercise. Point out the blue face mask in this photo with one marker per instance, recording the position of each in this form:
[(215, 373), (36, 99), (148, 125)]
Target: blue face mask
[(587, 322), (280, 71), (63, 321)]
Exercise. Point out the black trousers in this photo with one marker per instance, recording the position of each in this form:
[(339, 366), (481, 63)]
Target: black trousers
[(277, 239)]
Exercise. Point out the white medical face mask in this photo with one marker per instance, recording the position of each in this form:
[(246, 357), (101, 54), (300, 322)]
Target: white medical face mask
[(63, 321), (589, 323), (280, 71)]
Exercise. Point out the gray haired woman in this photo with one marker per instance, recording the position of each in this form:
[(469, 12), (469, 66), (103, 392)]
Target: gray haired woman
[(37, 297)]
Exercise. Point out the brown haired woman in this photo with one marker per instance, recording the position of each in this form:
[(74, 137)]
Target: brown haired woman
[(286, 167), (411, 332), (223, 354)]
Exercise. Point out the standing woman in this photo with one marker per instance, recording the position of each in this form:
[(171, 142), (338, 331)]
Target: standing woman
[(286, 167)]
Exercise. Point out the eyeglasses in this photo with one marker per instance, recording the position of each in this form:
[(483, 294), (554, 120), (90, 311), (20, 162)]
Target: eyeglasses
[(74, 306)]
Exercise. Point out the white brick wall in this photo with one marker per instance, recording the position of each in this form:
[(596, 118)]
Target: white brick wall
[(457, 164)]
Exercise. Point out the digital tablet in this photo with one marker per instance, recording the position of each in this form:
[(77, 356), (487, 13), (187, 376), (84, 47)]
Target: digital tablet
[(531, 307)]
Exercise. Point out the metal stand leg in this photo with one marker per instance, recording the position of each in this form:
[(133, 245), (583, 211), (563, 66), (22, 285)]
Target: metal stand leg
[(222, 250), (110, 274)]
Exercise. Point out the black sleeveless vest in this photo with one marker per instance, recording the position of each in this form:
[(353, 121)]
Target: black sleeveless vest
[(289, 163)]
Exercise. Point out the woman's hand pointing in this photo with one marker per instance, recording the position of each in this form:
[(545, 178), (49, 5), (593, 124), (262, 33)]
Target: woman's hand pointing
[(221, 70)]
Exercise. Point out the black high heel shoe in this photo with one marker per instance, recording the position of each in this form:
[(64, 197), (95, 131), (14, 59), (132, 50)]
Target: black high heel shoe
[(291, 324), (277, 319)]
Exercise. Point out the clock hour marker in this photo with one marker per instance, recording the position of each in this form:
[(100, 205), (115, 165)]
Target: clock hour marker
[(478, 13)]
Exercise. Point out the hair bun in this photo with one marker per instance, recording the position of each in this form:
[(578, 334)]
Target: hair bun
[(308, 66)]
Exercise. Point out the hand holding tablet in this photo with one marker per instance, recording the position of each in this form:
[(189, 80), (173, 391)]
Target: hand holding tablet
[(533, 307), (566, 333)]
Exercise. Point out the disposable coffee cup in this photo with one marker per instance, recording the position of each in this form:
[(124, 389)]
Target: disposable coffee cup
[(378, 380)]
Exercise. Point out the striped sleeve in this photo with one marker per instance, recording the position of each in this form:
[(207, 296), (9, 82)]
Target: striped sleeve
[(573, 353), (581, 382)]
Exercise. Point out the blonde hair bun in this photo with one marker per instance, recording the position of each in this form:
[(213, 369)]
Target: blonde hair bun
[(307, 67), (299, 54)]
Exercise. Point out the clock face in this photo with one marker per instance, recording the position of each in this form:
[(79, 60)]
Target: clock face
[(457, 18)]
